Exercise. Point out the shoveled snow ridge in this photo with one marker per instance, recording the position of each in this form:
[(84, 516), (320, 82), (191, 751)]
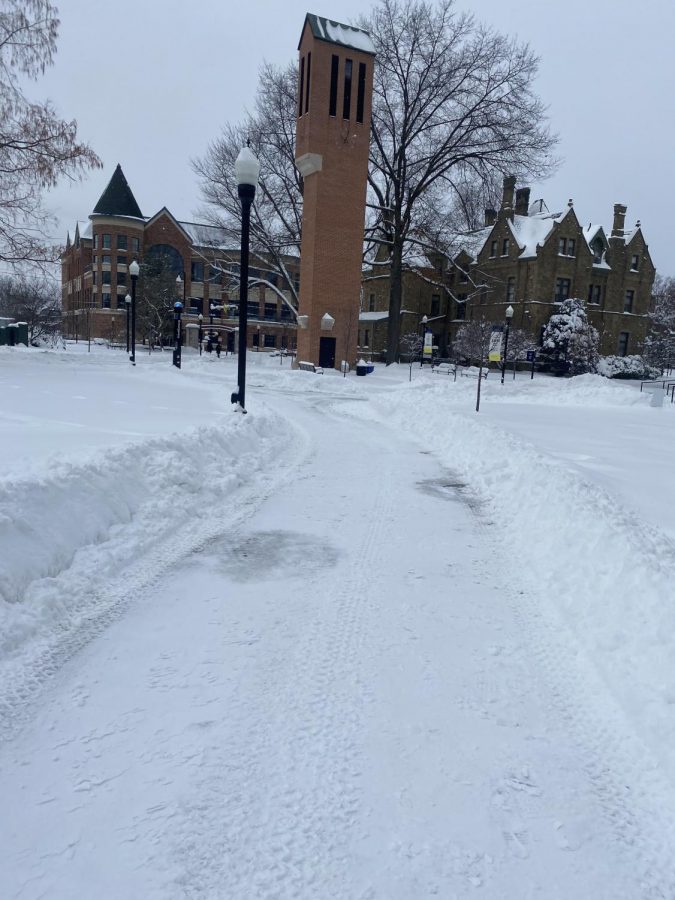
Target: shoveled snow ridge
[(608, 573), (74, 531)]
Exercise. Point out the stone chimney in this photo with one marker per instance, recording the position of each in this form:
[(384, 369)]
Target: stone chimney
[(490, 216), (522, 201), (507, 196), (619, 220)]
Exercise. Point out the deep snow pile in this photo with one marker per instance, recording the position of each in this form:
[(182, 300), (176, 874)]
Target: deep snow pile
[(572, 543)]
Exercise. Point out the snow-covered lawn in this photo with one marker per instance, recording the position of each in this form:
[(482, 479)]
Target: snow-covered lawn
[(360, 643)]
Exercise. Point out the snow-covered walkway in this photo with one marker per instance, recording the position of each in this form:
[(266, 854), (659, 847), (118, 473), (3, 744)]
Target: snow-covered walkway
[(343, 693)]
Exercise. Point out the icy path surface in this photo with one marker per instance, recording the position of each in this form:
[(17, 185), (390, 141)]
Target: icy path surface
[(345, 695)]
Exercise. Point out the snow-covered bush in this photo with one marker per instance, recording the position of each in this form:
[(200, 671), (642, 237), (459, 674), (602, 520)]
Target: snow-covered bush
[(626, 367), (570, 342)]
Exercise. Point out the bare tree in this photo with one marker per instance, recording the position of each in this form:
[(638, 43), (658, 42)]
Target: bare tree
[(412, 345), (453, 107), (276, 217), (520, 341), (473, 343), (156, 296), (659, 347), (37, 148), (34, 300)]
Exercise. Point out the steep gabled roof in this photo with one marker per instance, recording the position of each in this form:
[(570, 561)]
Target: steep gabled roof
[(335, 33), (117, 199)]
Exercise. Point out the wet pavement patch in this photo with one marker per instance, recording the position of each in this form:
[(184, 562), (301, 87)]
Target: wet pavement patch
[(272, 554), (451, 488)]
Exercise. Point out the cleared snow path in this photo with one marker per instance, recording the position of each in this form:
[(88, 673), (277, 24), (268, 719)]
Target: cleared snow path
[(342, 695)]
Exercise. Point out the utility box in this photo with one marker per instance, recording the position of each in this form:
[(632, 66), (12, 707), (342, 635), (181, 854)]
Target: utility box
[(22, 333)]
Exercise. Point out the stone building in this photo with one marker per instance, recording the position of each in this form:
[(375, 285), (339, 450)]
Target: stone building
[(95, 277), (532, 259)]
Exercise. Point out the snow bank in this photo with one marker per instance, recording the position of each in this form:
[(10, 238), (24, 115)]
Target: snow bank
[(572, 544), (89, 519)]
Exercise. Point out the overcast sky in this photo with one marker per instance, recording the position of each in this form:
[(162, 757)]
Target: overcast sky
[(151, 82)]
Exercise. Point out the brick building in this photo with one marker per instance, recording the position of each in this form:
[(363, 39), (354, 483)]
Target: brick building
[(95, 279), (531, 259), (332, 142)]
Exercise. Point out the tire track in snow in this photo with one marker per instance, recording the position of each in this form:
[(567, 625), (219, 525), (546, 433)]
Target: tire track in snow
[(279, 822)]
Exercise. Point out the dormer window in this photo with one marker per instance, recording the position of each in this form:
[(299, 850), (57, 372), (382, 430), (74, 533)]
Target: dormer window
[(493, 249), (597, 249), (505, 247), (634, 262)]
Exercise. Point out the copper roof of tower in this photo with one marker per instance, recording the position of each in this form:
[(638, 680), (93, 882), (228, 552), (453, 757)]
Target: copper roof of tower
[(117, 199), (336, 33)]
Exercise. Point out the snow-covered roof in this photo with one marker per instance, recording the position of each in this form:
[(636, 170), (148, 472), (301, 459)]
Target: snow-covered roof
[(207, 235), (85, 229), (474, 242), (373, 316), (629, 235), (532, 231), (336, 33)]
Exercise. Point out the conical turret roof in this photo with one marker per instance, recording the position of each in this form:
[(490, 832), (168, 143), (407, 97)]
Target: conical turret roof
[(117, 199)]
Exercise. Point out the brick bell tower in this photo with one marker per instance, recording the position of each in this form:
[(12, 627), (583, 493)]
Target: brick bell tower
[(332, 137)]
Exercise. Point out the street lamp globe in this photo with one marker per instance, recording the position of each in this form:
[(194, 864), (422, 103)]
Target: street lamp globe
[(247, 168), (424, 320), (127, 299), (134, 269), (509, 312)]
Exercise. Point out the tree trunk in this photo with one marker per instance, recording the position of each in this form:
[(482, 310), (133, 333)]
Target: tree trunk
[(395, 296), (480, 378)]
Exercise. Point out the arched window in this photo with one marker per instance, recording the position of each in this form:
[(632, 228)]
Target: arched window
[(169, 254)]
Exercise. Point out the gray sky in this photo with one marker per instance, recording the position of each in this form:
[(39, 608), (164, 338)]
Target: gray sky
[(151, 82)]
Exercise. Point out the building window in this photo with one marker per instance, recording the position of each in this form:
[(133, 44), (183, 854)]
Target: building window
[(361, 92), (197, 271), (309, 77), (107, 242), (628, 301), (332, 102), (121, 260), (435, 304), (121, 242), (301, 92), (270, 311), (460, 310), (105, 277), (135, 245), (562, 289), (463, 277), (196, 306), (493, 249), (93, 259), (121, 277), (505, 247), (597, 249), (214, 275), (595, 293), (105, 301), (121, 303), (93, 276), (624, 337), (511, 289), (105, 259), (270, 340), (371, 303), (634, 262), (347, 100), (253, 309), (285, 312), (95, 242), (566, 246)]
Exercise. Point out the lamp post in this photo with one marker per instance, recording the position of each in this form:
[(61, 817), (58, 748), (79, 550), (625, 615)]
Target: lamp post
[(247, 170), (424, 332), (127, 303), (257, 347), (509, 316), (201, 319), (134, 269), (177, 332)]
